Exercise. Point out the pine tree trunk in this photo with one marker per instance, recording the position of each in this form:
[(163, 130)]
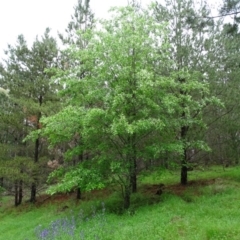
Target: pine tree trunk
[(16, 193), (20, 192), (34, 187), (1, 182), (33, 193), (36, 157)]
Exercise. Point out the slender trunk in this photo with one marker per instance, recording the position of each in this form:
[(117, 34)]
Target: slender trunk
[(36, 152), (20, 192), (33, 193), (127, 196), (180, 64), (16, 193), (79, 194), (184, 170), (133, 163), (130, 174), (34, 187), (36, 157), (237, 159), (1, 182), (184, 175), (132, 116), (134, 175)]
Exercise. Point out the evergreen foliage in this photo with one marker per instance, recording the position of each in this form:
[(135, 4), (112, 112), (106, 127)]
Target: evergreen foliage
[(29, 98)]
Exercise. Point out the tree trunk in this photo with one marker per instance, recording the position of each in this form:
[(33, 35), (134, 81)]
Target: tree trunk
[(33, 193), (16, 193), (127, 196), (20, 192), (184, 169), (36, 154), (166, 160), (33, 187), (184, 175), (79, 194), (1, 182), (36, 157), (133, 163), (134, 176)]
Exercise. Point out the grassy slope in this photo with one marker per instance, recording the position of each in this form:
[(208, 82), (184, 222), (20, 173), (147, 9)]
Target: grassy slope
[(206, 209)]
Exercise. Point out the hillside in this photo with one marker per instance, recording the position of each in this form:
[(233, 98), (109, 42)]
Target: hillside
[(208, 208)]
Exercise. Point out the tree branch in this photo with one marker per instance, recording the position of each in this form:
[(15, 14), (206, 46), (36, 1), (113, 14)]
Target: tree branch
[(223, 15)]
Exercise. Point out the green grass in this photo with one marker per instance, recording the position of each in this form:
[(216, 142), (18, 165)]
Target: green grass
[(201, 211)]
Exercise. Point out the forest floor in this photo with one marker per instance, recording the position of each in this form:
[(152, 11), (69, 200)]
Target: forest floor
[(207, 208)]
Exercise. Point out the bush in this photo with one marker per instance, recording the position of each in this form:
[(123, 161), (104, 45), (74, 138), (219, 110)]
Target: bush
[(114, 204)]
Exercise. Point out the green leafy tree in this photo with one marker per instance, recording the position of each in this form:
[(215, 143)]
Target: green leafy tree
[(120, 101), (81, 21)]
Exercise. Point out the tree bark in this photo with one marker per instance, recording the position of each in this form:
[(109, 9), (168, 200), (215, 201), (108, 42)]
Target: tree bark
[(79, 194), (127, 196), (36, 157), (1, 182), (134, 175), (184, 169), (20, 192), (33, 193), (184, 173), (16, 193), (34, 187)]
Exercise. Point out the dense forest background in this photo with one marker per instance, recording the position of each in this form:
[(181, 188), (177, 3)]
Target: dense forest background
[(147, 88)]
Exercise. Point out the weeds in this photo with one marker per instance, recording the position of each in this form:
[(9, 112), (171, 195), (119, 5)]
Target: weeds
[(70, 226)]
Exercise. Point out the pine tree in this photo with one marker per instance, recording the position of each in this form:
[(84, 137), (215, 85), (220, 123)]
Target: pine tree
[(189, 31), (31, 92), (82, 20)]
